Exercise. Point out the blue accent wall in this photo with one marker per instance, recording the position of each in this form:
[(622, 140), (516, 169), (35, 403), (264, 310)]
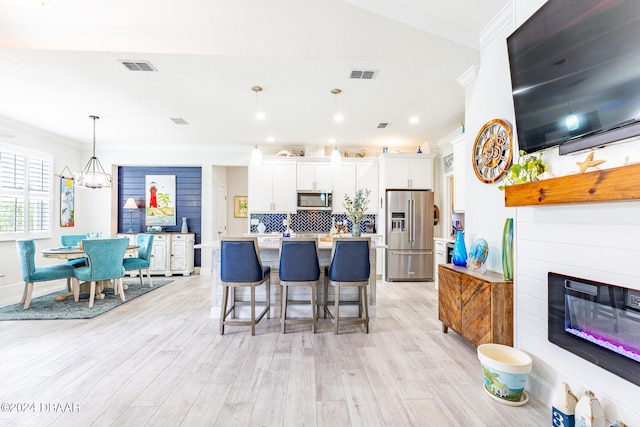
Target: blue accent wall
[(131, 183)]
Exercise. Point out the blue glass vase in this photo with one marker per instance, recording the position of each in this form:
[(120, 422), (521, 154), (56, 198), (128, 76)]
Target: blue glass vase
[(459, 256)]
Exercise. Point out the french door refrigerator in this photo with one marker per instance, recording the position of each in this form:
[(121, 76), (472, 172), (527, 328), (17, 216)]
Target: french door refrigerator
[(409, 235)]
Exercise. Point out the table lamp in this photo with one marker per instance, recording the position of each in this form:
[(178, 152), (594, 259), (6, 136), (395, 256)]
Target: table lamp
[(131, 205)]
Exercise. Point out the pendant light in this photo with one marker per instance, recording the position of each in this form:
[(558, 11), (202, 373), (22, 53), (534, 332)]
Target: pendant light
[(335, 157), (259, 114), (256, 156), (336, 115), (93, 174)]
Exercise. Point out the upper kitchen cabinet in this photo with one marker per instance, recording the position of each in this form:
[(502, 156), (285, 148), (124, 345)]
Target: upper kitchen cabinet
[(272, 187), (407, 171), (352, 176), (458, 175), (367, 177), (314, 176), (344, 182)]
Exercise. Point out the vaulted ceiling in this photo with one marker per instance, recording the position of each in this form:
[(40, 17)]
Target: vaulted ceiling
[(61, 62)]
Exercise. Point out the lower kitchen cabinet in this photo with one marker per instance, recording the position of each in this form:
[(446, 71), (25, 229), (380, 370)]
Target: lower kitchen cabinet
[(478, 306), (172, 253)]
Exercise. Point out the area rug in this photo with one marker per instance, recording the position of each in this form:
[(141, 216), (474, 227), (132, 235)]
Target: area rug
[(46, 308)]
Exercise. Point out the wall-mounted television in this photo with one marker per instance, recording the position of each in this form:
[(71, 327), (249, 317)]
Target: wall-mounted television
[(575, 74)]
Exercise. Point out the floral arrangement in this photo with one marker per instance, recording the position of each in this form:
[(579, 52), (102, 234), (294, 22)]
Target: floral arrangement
[(527, 169), (355, 208)]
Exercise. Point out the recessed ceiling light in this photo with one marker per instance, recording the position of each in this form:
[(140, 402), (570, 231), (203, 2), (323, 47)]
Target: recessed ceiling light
[(331, 141), (414, 120), (271, 139)]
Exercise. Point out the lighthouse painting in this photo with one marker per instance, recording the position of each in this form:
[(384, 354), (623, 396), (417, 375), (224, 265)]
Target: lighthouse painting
[(160, 206)]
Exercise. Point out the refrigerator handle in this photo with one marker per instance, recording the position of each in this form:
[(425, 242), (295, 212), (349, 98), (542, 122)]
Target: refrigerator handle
[(409, 220), (413, 220)]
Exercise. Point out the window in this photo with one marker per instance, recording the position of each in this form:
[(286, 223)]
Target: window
[(25, 193)]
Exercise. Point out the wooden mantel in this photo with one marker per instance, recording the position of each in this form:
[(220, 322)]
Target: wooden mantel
[(621, 183)]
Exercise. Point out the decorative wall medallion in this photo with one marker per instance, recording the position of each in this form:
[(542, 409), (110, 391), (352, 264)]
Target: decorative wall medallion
[(492, 151)]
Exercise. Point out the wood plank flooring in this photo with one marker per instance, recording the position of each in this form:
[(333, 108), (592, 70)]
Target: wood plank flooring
[(159, 361)]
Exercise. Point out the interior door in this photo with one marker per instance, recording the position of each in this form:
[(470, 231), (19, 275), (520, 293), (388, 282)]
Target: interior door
[(221, 211)]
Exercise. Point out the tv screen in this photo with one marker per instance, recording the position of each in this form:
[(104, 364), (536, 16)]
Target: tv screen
[(575, 74)]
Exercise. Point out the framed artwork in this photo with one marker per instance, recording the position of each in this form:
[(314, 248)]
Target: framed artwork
[(66, 202), (240, 206), (160, 207), (447, 163)]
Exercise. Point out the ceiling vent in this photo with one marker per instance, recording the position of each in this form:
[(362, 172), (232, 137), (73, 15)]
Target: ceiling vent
[(362, 74), (138, 65), (179, 121), (383, 125)]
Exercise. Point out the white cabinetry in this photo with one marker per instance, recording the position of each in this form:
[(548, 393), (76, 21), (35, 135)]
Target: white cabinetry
[(272, 187), (367, 177), (440, 256), (314, 176), (459, 176), (344, 182), (414, 172), (171, 253)]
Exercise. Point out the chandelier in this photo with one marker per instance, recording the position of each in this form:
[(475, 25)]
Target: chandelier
[(93, 174)]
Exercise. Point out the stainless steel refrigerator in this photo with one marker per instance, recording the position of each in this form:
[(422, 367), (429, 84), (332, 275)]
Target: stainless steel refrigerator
[(409, 235)]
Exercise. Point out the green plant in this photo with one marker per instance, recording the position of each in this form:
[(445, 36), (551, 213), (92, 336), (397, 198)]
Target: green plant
[(527, 169), (355, 208)]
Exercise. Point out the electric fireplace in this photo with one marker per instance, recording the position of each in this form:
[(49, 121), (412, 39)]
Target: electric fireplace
[(597, 321)]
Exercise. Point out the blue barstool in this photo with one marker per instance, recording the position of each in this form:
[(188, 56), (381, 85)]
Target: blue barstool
[(349, 267), (299, 266), (240, 266)]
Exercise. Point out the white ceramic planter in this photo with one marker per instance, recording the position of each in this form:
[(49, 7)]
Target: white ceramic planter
[(505, 370)]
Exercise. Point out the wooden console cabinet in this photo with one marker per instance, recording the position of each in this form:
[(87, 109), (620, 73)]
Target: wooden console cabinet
[(478, 306)]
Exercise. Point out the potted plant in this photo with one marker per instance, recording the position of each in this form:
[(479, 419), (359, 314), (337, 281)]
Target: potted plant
[(355, 209), (527, 169)]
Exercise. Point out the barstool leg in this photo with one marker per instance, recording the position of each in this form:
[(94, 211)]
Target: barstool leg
[(223, 309), (337, 307), (314, 314), (283, 314), (253, 310), (366, 308)]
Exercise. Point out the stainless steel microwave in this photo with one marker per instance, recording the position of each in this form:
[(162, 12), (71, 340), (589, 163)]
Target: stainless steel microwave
[(315, 200)]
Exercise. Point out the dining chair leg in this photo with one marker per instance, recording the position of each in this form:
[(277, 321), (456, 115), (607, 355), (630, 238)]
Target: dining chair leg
[(253, 310), (140, 276), (223, 309), (148, 277), (26, 295), (92, 293), (68, 284), (337, 307), (283, 309), (76, 289), (121, 288)]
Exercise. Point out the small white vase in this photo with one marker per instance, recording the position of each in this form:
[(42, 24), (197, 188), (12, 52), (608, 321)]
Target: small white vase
[(185, 229)]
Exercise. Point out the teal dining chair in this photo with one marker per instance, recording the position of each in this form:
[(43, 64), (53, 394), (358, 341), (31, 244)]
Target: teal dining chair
[(31, 273), (143, 260), (73, 240), (105, 258)]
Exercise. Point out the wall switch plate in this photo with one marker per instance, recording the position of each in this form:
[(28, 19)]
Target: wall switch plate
[(284, 222), (255, 221)]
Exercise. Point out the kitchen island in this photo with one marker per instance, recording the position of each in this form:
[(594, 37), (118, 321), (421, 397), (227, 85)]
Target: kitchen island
[(269, 246)]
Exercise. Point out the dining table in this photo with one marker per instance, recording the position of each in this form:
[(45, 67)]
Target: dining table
[(74, 252)]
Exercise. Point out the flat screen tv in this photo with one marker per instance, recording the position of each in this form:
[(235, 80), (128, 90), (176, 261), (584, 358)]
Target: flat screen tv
[(575, 74)]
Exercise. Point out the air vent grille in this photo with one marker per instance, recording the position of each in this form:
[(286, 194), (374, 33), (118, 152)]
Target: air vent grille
[(179, 121), (138, 65), (362, 74), (383, 125)]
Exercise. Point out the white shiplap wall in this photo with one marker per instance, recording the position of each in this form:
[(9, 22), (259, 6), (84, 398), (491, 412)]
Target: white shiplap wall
[(598, 241)]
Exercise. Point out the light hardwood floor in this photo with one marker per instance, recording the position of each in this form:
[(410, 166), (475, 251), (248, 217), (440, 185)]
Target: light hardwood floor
[(159, 361)]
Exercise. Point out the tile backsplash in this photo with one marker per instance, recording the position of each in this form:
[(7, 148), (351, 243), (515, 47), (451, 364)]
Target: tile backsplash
[(306, 221)]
